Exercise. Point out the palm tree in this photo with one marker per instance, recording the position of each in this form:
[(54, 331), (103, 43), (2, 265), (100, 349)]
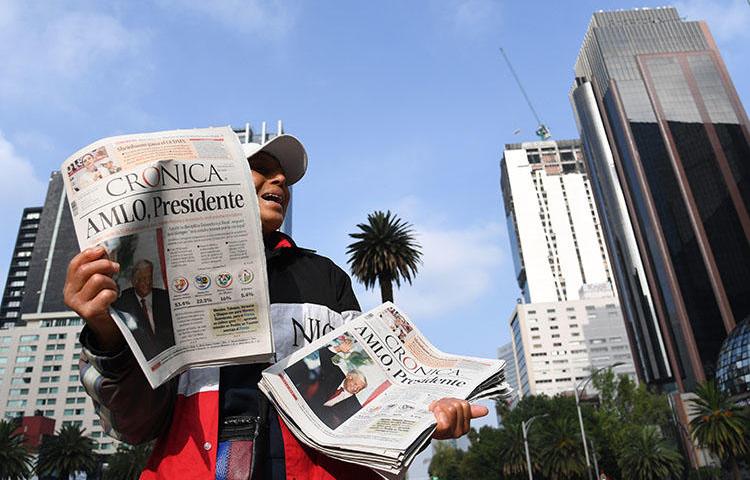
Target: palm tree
[(15, 460), (719, 425), (385, 251), (65, 453), (645, 455), (512, 454), (127, 462), (562, 456)]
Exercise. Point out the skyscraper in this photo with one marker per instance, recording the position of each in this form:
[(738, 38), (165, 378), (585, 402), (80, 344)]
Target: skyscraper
[(667, 143), (552, 221), (568, 321), (15, 285)]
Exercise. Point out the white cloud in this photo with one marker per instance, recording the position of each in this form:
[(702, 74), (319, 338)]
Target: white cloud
[(19, 185), (50, 50), (472, 17), (727, 19), (458, 268), (19, 188), (269, 19)]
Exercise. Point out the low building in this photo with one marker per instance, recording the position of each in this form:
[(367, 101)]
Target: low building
[(559, 344)]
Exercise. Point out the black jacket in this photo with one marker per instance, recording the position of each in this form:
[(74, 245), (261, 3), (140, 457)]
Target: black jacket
[(150, 342)]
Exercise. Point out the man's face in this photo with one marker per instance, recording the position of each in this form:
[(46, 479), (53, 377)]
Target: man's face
[(272, 190), (88, 162), (143, 281), (345, 346), (353, 383)]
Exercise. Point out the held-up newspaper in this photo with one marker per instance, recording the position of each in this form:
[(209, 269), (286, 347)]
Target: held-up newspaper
[(178, 211), (361, 393)]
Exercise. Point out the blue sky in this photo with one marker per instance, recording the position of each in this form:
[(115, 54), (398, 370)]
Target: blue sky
[(402, 105)]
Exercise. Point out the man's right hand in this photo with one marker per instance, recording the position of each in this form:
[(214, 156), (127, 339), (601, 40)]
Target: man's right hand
[(90, 290)]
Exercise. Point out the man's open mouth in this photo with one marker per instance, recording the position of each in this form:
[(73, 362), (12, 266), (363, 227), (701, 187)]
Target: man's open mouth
[(272, 197)]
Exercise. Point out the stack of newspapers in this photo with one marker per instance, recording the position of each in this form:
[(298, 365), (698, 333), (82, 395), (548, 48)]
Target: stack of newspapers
[(361, 393)]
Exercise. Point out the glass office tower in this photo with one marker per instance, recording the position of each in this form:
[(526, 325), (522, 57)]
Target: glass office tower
[(668, 147)]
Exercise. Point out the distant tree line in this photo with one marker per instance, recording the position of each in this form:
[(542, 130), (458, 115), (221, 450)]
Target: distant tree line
[(631, 431)]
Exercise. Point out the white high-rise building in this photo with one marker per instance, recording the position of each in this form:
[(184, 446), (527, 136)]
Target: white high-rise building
[(552, 220), (568, 321)]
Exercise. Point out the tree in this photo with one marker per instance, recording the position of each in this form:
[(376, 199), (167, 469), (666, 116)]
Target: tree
[(446, 461), (66, 453), (127, 462), (385, 251), (562, 454), (485, 459), (646, 455), (512, 454), (623, 405), (719, 425), (15, 460)]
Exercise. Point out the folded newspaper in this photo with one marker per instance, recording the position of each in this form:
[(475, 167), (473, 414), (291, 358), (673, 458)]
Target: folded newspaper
[(361, 393), (178, 211)]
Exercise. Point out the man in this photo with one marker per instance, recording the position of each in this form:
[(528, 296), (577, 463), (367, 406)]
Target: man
[(204, 406), (150, 309), (331, 394), (89, 175)]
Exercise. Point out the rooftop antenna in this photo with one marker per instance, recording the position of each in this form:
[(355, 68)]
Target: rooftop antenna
[(541, 131)]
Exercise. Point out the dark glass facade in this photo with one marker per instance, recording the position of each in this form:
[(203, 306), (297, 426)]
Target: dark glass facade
[(680, 140), (15, 285)]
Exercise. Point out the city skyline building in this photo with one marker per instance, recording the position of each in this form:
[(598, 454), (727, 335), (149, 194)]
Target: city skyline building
[(15, 284), (567, 322), (553, 225), (667, 143), (557, 345)]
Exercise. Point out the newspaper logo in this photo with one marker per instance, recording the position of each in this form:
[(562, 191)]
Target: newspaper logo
[(224, 279), (202, 281), (245, 276), (180, 284)]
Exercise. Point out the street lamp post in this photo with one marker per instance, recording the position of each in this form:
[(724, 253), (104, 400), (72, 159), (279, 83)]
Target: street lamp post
[(582, 386), (525, 425)]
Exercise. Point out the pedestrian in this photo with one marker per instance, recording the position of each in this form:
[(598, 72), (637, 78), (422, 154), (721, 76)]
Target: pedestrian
[(213, 423)]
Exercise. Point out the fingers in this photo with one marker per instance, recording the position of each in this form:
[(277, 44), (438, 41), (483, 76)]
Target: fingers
[(478, 411), (454, 417), (89, 290), (85, 264)]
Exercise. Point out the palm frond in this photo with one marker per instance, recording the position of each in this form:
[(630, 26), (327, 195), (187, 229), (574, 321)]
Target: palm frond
[(385, 250)]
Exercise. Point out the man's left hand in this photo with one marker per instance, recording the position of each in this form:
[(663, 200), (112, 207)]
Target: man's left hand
[(454, 417)]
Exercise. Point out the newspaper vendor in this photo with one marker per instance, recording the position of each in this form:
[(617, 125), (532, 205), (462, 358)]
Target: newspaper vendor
[(213, 422)]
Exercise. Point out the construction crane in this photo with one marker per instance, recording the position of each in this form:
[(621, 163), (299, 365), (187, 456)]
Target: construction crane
[(541, 131)]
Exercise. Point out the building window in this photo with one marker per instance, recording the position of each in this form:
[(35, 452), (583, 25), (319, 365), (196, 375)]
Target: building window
[(29, 338), (25, 359), (27, 348)]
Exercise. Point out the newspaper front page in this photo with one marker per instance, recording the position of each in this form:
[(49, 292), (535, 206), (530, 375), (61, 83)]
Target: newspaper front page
[(178, 211), (362, 392)]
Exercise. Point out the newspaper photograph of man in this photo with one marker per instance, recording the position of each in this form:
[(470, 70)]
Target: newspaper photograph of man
[(143, 306), (334, 379), (150, 308)]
